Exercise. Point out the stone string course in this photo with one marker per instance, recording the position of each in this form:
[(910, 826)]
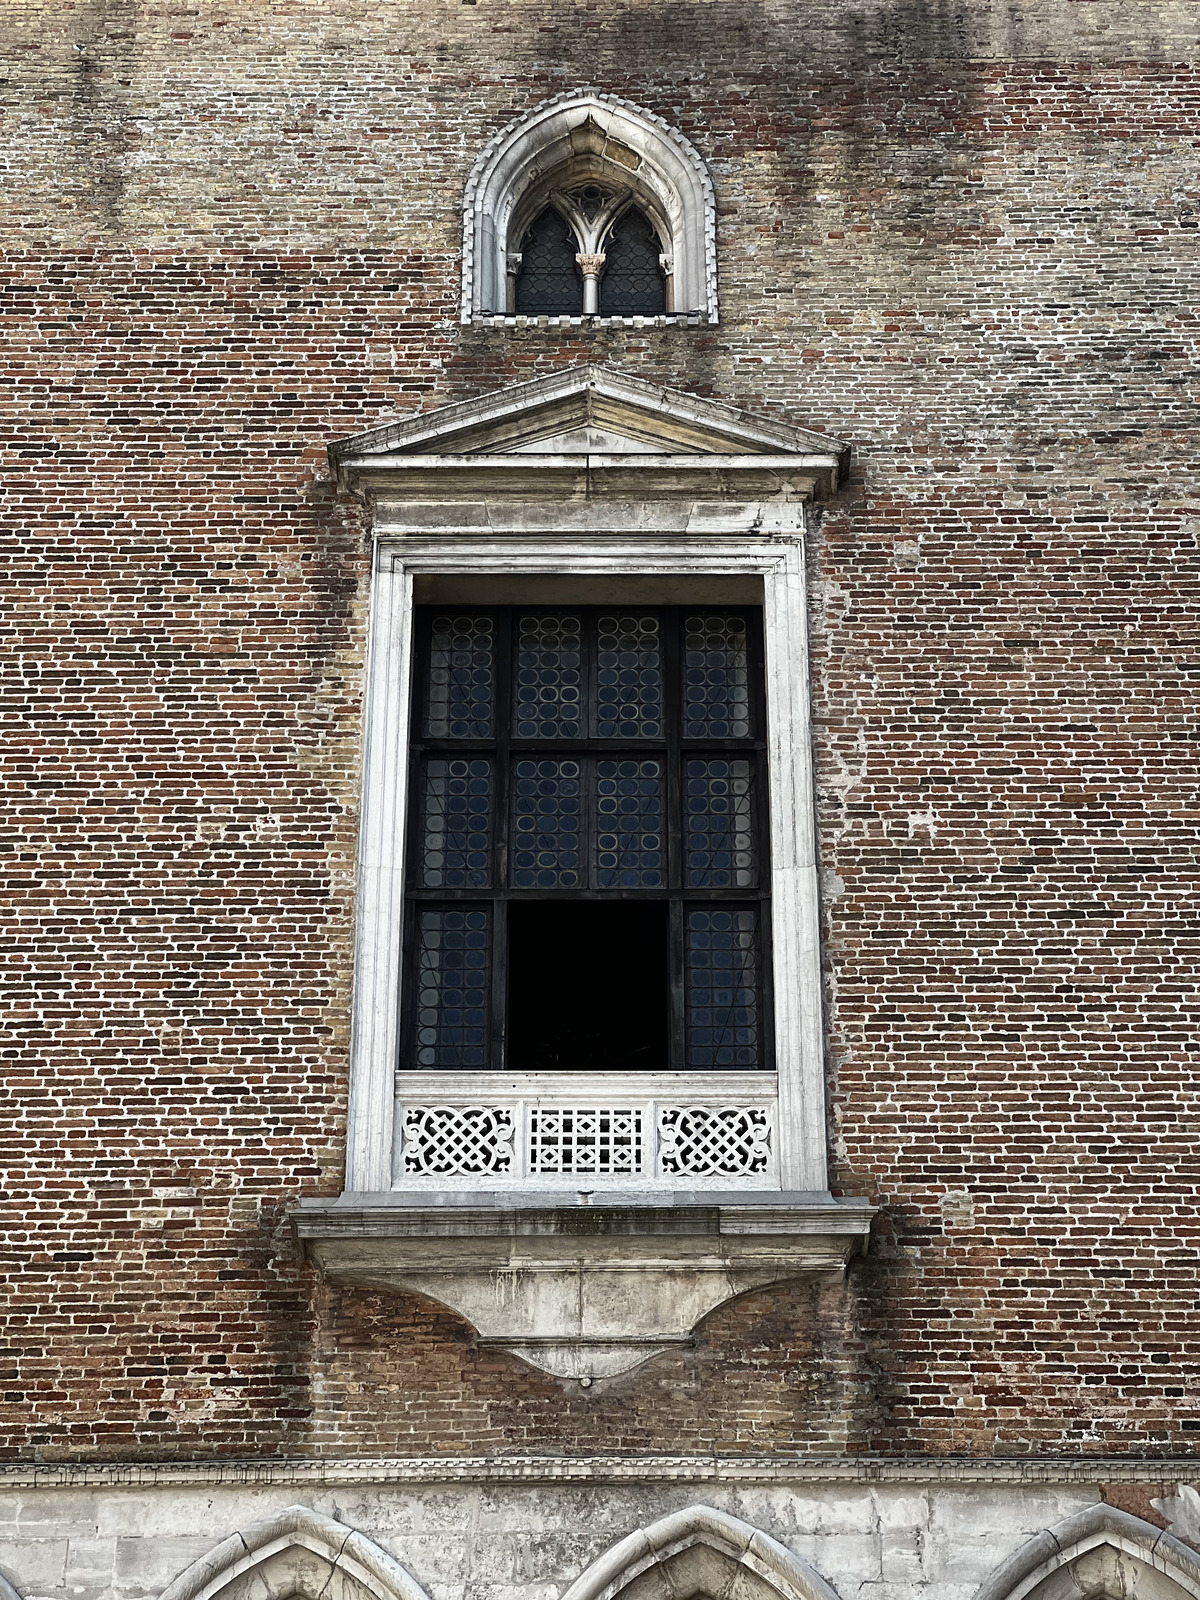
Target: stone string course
[(965, 241), (1109, 1472)]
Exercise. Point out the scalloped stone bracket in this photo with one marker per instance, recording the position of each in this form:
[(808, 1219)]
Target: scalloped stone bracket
[(585, 1290), (589, 133)]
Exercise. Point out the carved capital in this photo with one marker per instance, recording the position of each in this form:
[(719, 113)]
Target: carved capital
[(512, 263), (590, 266), (666, 266)]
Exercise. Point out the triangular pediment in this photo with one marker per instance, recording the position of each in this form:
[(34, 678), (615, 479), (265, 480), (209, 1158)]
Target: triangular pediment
[(588, 412)]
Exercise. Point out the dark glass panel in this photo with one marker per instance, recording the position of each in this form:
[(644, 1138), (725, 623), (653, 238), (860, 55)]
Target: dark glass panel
[(588, 987), (452, 987), (632, 284), (716, 678), (548, 683), (457, 836), (630, 847), (549, 283), (717, 805), (462, 676), (547, 825), (629, 678), (722, 984)]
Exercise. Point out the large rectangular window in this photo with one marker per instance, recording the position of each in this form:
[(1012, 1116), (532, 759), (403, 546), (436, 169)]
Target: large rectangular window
[(588, 873)]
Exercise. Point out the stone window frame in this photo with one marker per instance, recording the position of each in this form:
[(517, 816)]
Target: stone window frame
[(585, 475), (577, 138), (774, 556)]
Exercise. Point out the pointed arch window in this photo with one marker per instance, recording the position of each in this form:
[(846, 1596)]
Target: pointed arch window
[(634, 280), (589, 207), (591, 251)]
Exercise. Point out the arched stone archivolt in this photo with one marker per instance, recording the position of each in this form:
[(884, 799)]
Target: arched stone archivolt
[(297, 1555), (1098, 1554), (699, 1552), (589, 138)]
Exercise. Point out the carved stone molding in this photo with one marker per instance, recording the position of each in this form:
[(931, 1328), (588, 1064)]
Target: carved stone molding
[(596, 136)]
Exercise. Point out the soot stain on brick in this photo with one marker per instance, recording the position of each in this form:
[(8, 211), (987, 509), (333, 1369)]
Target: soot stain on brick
[(103, 41)]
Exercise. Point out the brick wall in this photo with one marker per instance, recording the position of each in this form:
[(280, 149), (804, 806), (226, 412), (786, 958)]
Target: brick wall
[(963, 240)]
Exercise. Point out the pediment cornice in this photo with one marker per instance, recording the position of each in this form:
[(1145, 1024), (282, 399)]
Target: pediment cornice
[(616, 428)]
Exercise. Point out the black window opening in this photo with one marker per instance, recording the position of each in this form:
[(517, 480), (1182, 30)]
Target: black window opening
[(588, 884), (550, 282)]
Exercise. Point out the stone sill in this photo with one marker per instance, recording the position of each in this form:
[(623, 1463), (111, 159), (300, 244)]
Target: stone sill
[(584, 1289), (672, 319)]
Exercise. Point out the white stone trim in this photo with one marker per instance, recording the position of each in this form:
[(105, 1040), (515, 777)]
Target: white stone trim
[(779, 561), (244, 1556), (523, 415), (600, 1469), (1100, 1527), (779, 1571), (529, 149), (375, 1019)]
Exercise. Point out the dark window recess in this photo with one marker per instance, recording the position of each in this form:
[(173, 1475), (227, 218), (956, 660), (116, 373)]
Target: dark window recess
[(588, 987), (549, 283), (588, 882), (632, 284)]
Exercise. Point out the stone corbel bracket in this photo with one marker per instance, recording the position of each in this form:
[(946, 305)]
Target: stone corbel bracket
[(585, 1290)]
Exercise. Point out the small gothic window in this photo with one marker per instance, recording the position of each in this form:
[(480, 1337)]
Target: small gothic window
[(549, 283), (636, 201), (632, 284)]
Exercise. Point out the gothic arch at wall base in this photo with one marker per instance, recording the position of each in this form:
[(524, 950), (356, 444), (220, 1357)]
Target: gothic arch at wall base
[(699, 1552), (1098, 1554), (298, 1553)]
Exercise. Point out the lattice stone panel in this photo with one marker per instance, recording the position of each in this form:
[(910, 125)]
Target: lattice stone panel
[(528, 1139), (585, 1140), (457, 1141), (704, 1141)]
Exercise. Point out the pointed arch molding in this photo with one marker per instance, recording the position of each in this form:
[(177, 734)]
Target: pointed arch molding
[(298, 1552), (7, 1592), (699, 1551), (1098, 1554), (612, 135)]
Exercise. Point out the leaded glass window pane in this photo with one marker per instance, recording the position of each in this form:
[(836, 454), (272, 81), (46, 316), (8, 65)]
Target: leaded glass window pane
[(452, 987), (630, 846), (718, 823), (458, 809), (461, 678), (722, 988), (549, 283), (585, 882), (632, 285), (548, 683), (547, 825), (629, 678), (716, 678)]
